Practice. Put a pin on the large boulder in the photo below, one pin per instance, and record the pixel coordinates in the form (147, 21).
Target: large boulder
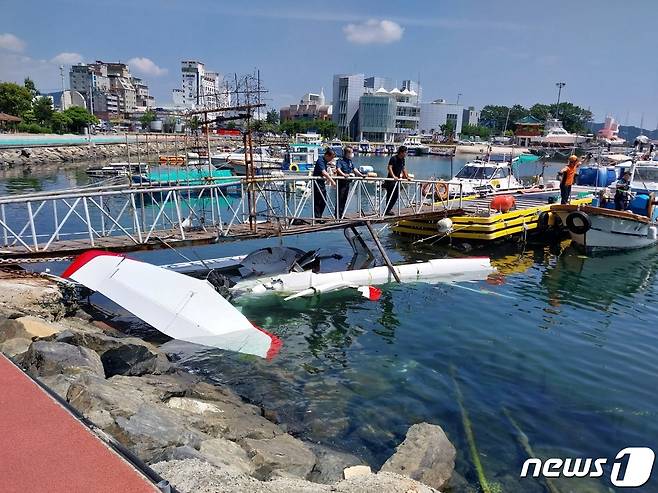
(44, 358)
(36, 327)
(425, 455)
(226, 455)
(11, 329)
(282, 455)
(15, 347)
(31, 296)
(153, 429)
(330, 464)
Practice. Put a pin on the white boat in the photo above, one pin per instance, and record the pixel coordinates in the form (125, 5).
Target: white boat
(556, 135)
(300, 158)
(364, 147)
(118, 169)
(308, 283)
(598, 229)
(483, 177)
(415, 146)
(239, 158)
(309, 138)
(187, 309)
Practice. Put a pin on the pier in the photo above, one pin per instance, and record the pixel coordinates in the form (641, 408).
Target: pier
(129, 218)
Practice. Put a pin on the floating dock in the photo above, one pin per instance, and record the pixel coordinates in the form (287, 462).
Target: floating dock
(480, 222)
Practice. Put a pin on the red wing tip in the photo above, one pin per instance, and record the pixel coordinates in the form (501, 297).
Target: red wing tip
(275, 345)
(85, 258)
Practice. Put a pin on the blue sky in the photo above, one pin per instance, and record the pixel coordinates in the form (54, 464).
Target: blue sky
(493, 52)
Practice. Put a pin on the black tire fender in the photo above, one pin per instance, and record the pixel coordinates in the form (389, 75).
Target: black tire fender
(578, 223)
(543, 220)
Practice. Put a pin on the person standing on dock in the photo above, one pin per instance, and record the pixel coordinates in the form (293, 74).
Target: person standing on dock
(567, 177)
(396, 172)
(319, 188)
(345, 169)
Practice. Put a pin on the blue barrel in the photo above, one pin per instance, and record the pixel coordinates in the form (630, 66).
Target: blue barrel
(587, 175)
(612, 176)
(640, 204)
(601, 177)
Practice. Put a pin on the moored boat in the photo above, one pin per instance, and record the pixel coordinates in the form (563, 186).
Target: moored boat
(599, 229)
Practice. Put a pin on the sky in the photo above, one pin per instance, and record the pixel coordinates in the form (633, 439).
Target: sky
(490, 52)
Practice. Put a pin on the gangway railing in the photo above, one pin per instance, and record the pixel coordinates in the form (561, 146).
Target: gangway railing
(138, 215)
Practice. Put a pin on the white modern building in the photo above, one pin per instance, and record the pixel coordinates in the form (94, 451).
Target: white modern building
(363, 107)
(439, 112)
(470, 116)
(200, 88)
(63, 100)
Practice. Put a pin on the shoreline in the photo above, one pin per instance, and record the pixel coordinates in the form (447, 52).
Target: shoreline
(197, 435)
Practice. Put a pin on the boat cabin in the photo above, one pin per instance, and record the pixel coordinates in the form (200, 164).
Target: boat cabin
(301, 157)
(484, 177)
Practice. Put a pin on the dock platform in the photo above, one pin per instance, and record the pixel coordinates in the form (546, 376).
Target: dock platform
(479, 222)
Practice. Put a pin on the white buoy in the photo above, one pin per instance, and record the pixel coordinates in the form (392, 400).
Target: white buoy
(444, 225)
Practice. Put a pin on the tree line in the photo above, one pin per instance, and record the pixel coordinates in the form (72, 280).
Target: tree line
(37, 113)
(500, 119)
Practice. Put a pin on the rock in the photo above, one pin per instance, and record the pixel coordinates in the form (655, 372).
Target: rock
(330, 464)
(282, 454)
(133, 359)
(59, 383)
(196, 476)
(425, 455)
(15, 347)
(11, 329)
(193, 405)
(31, 296)
(226, 455)
(356, 471)
(152, 429)
(159, 388)
(36, 327)
(44, 358)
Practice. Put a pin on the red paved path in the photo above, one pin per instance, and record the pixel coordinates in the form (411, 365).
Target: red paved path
(43, 448)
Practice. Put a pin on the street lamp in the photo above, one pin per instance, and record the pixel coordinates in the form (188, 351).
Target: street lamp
(559, 85)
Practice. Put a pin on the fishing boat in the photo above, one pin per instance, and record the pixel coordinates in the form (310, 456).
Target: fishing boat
(415, 146)
(173, 176)
(599, 229)
(364, 147)
(484, 177)
(556, 135)
(117, 169)
(300, 158)
(309, 138)
(238, 159)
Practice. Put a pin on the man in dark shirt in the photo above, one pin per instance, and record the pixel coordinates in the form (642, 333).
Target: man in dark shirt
(319, 188)
(345, 169)
(396, 172)
(623, 192)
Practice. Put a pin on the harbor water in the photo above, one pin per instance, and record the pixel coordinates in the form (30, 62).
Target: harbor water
(558, 347)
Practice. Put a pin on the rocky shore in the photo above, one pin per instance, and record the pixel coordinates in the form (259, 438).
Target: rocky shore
(198, 436)
(30, 156)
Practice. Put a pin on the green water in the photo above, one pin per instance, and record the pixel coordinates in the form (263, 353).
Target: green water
(562, 343)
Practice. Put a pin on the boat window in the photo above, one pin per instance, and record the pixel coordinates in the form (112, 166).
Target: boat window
(475, 172)
(502, 173)
(645, 174)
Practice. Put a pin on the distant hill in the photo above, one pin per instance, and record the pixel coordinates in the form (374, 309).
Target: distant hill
(628, 132)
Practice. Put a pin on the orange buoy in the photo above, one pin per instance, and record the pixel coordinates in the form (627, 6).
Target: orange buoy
(503, 203)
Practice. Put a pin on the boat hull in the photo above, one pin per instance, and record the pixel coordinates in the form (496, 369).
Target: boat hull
(610, 230)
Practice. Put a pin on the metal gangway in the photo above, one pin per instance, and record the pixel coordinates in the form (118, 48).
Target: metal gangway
(127, 218)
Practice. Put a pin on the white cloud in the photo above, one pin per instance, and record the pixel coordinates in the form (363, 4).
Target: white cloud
(373, 31)
(67, 58)
(146, 66)
(10, 42)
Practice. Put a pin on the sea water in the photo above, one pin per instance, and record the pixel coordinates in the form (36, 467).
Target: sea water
(559, 347)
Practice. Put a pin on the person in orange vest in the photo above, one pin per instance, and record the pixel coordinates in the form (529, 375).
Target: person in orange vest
(567, 176)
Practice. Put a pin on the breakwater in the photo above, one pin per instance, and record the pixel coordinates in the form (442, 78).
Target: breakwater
(199, 436)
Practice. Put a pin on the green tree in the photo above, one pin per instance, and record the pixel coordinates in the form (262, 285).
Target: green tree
(194, 123)
(448, 129)
(42, 109)
(80, 118)
(60, 122)
(146, 119)
(30, 86)
(14, 99)
(476, 131)
(272, 117)
(574, 118)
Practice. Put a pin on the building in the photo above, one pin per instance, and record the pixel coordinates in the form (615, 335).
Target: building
(63, 100)
(527, 129)
(311, 107)
(439, 112)
(470, 116)
(200, 88)
(109, 89)
(353, 93)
